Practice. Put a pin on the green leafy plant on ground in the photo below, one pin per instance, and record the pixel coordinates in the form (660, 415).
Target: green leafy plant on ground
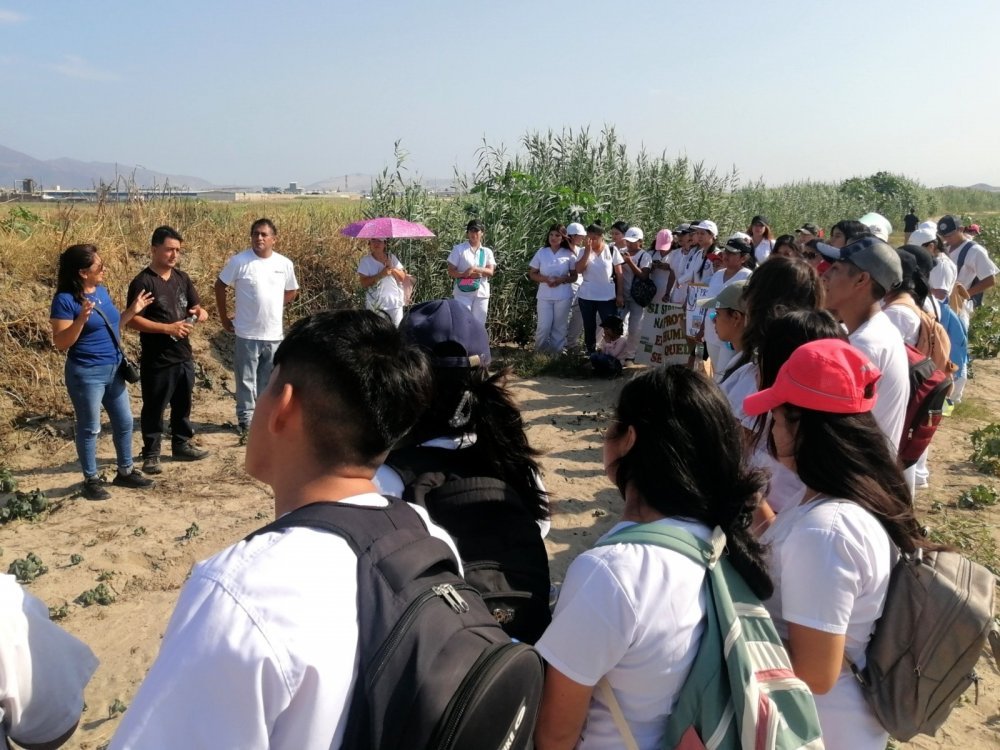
(967, 533)
(117, 707)
(25, 505)
(191, 532)
(59, 613)
(8, 482)
(100, 594)
(979, 496)
(986, 449)
(28, 568)
(75, 559)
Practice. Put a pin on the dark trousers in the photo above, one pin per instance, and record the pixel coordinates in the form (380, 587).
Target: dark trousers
(590, 309)
(162, 387)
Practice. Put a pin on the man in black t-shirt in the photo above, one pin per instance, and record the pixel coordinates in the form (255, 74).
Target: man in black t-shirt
(166, 362)
(910, 222)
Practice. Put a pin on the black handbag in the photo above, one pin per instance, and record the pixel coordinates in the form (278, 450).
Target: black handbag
(128, 369)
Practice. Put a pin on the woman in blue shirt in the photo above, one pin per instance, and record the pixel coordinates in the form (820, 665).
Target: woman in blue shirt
(92, 364)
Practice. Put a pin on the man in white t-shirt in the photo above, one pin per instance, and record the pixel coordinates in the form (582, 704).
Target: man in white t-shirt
(976, 272)
(472, 266)
(43, 671)
(863, 271)
(262, 648)
(264, 283)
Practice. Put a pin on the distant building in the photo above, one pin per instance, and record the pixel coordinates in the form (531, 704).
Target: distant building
(293, 189)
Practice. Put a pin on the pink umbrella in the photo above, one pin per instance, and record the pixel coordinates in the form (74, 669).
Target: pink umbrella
(386, 227)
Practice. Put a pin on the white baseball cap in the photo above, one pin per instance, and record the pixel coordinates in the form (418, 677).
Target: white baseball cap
(634, 234)
(708, 225)
(922, 237)
(576, 230)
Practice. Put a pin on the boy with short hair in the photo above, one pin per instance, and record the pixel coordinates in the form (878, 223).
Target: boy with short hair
(609, 359)
(262, 648)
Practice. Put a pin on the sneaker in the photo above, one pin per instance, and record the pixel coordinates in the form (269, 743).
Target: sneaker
(243, 431)
(133, 480)
(151, 465)
(188, 452)
(93, 489)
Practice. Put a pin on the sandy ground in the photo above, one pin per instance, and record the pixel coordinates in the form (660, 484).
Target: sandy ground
(147, 544)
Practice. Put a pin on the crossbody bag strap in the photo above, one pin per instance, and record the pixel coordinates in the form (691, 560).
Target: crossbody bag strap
(111, 330)
(963, 253)
(608, 696)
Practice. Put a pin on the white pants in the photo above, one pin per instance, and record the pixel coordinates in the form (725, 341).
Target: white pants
(553, 320)
(575, 328)
(956, 392)
(478, 306)
(922, 474)
(634, 316)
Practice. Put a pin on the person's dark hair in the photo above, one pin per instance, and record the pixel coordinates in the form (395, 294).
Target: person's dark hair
(916, 262)
(846, 456)
(164, 233)
(786, 240)
(621, 226)
(561, 228)
(767, 231)
(595, 227)
(74, 259)
(362, 384)
(471, 400)
(264, 223)
(786, 332)
(851, 230)
(680, 417)
(779, 285)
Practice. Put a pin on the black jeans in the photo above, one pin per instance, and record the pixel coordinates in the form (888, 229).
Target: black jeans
(590, 310)
(162, 387)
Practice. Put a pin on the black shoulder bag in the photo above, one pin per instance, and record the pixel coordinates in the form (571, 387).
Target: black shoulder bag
(128, 369)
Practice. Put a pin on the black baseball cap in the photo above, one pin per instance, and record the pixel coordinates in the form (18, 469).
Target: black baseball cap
(948, 224)
(475, 226)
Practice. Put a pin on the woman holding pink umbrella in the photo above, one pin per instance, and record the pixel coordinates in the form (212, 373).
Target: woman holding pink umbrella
(382, 276)
(380, 272)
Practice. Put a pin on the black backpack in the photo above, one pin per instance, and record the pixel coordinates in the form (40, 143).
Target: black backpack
(502, 551)
(435, 671)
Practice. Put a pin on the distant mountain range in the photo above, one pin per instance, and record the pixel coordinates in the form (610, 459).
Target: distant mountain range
(72, 174)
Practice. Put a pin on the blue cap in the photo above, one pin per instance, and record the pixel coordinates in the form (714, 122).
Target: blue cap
(448, 332)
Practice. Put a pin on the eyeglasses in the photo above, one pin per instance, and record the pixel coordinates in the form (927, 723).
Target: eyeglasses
(97, 267)
(260, 234)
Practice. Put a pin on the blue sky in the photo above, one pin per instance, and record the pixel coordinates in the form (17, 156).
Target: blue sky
(256, 92)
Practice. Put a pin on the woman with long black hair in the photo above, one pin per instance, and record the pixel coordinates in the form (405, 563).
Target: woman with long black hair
(634, 613)
(832, 553)
(87, 325)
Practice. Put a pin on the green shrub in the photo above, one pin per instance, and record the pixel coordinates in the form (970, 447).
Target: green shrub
(27, 569)
(978, 497)
(986, 449)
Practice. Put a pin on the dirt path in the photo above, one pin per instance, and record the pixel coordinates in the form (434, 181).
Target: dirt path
(144, 543)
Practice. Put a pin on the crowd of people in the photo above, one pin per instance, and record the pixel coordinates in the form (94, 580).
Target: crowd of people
(787, 442)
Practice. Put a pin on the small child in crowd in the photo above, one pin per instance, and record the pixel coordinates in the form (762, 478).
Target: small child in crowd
(609, 358)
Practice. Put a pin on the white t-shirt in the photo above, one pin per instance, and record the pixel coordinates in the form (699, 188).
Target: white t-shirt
(598, 277)
(43, 670)
(260, 285)
(716, 284)
(762, 251)
(906, 320)
(944, 274)
(739, 385)
(641, 258)
(634, 613)
(882, 343)
(558, 264)
(261, 650)
(680, 261)
(387, 292)
(830, 561)
(661, 276)
(977, 263)
(463, 258)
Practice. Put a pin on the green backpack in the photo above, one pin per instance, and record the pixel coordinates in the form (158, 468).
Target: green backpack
(741, 691)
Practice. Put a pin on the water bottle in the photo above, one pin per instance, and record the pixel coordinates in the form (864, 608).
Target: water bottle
(190, 320)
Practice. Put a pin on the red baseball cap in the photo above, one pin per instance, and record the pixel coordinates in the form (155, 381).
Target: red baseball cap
(826, 375)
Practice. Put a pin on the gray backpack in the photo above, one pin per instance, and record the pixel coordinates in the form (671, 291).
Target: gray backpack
(937, 619)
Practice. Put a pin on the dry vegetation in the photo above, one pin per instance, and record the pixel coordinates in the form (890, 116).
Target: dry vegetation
(33, 235)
